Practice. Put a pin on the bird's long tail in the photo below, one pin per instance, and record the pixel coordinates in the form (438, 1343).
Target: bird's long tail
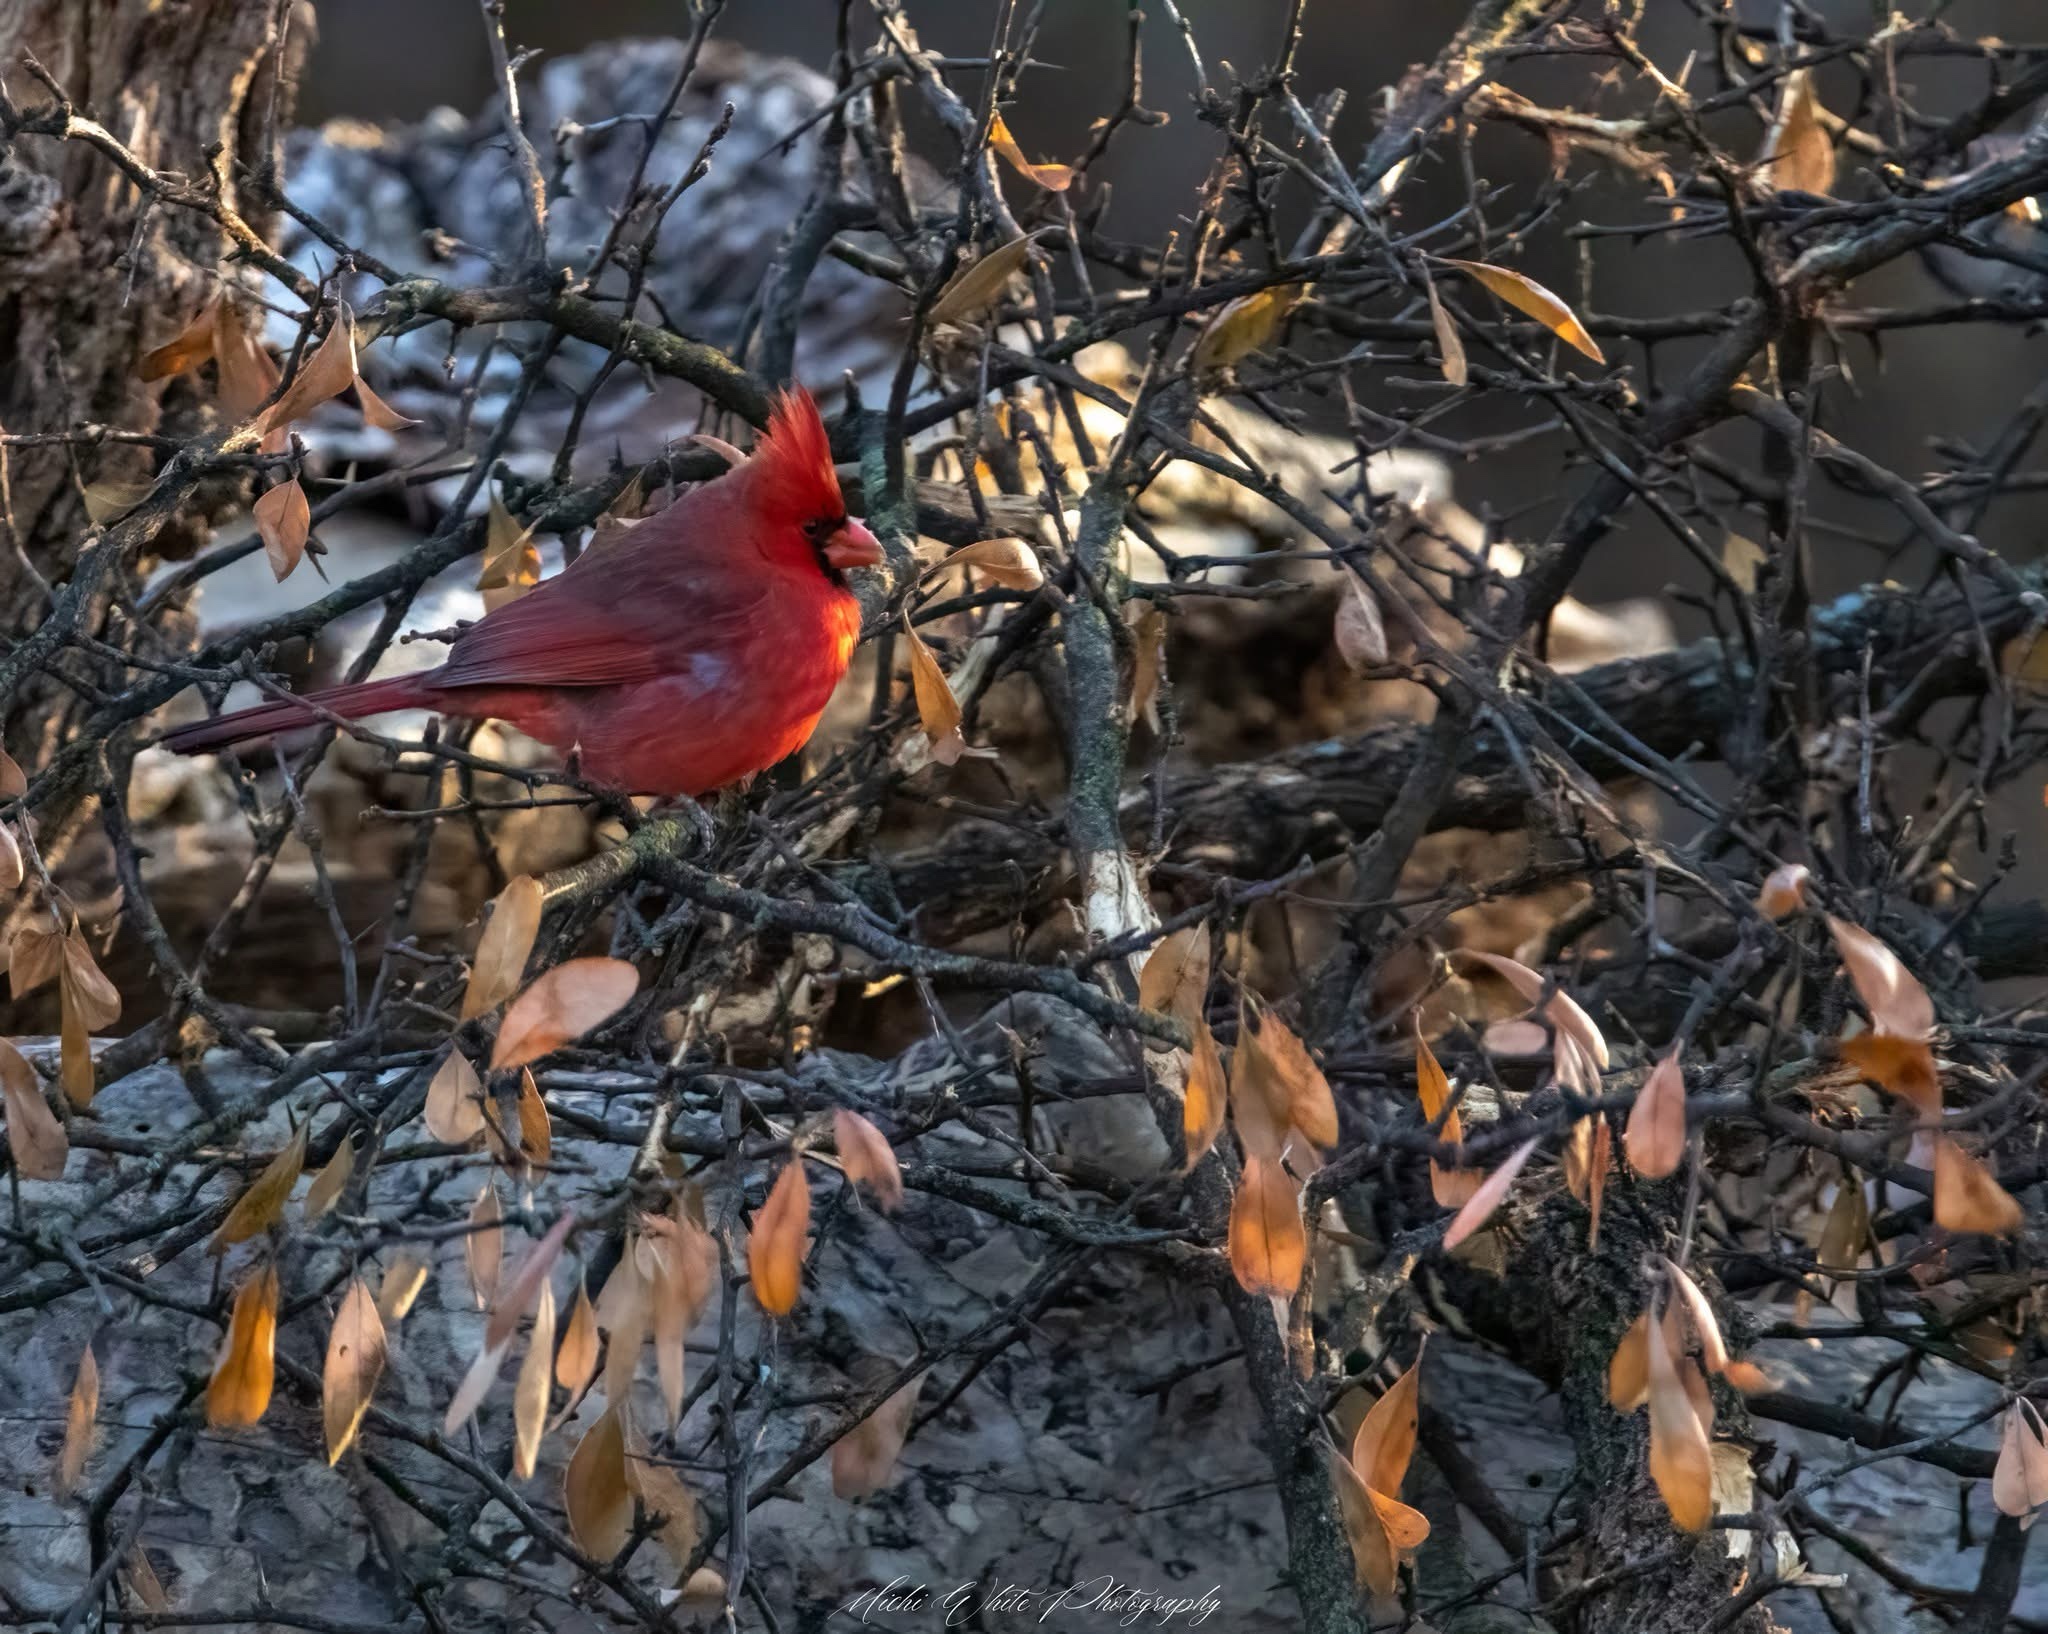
(284, 715)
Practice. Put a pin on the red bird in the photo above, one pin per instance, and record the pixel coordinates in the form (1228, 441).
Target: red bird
(696, 651)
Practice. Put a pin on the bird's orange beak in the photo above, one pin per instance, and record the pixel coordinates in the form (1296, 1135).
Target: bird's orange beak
(853, 546)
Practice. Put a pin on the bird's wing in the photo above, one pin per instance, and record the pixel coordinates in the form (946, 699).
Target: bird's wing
(629, 611)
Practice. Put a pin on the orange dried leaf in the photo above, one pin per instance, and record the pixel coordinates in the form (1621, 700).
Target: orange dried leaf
(1966, 1198)
(1701, 1314)
(938, 711)
(97, 999)
(74, 1050)
(34, 1136)
(35, 958)
(247, 374)
(1899, 1066)
(562, 1005)
(576, 1360)
(864, 1459)
(1655, 1137)
(530, 1394)
(1562, 1011)
(1681, 1458)
(1385, 1442)
(1527, 296)
(502, 951)
(1205, 1097)
(1596, 1184)
(1148, 662)
(536, 1129)
(1268, 1247)
(1488, 1195)
(775, 1250)
(328, 1184)
(355, 1361)
(455, 1106)
(1897, 1003)
(866, 1155)
(1288, 1080)
(189, 348)
(595, 1492)
(240, 1388)
(377, 412)
(1372, 1553)
(1175, 979)
(1011, 562)
(483, 1246)
(1053, 178)
(403, 1278)
(1452, 1188)
(284, 520)
(1784, 891)
(1628, 1370)
(327, 372)
(80, 1424)
(511, 561)
(262, 1205)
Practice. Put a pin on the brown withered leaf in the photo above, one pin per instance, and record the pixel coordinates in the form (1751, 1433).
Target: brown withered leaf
(530, 1394)
(1175, 979)
(502, 951)
(13, 780)
(576, 1359)
(74, 1050)
(595, 1492)
(81, 1424)
(511, 561)
(329, 1183)
(1527, 296)
(1206, 1095)
(866, 1155)
(378, 413)
(1654, 1140)
(239, 1391)
(1891, 993)
(11, 870)
(1966, 1198)
(189, 348)
(1784, 892)
(1359, 631)
(775, 1249)
(284, 521)
(981, 284)
(938, 711)
(262, 1205)
(108, 500)
(324, 373)
(403, 1279)
(1488, 1195)
(476, 1384)
(529, 1279)
(247, 374)
(1745, 1376)
(1053, 178)
(1628, 1370)
(1561, 1010)
(864, 1459)
(483, 1246)
(562, 1005)
(1289, 1079)
(1449, 345)
(2019, 1480)
(1244, 326)
(1148, 661)
(1797, 151)
(666, 1502)
(1846, 1229)
(1385, 1443)
(355, 1362)
(1681, 1458)
(1899, 1066)
(1452, 1188)
(455, 1106)
(1372, 1556)
(1596, 1182)
(1011, 562)
(99, 1002)
(34, 1136)
(35, 957)
(1268, 1247)
(536, 1129)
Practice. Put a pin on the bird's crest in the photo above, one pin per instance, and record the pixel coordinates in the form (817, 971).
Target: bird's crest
(793, 464)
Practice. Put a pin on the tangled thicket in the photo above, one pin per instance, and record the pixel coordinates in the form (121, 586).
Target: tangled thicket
(1243, 917)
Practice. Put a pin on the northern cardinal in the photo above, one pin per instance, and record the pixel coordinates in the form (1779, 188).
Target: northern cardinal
(696, 651)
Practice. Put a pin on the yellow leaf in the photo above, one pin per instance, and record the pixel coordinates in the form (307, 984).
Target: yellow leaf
(34, 1136)
(1241, 327)
(594, 1490)
(455, 1109)
(1797, 152)
(1268, 1248)
(284, 521)
(562, 1005)
(326, 373)
(355, 1361)
(866, 1155)
(80, 1424)
(502, 951)
(775, 1250)
(328, 1184)
(1527, 296)
(1053, 178)
(1450, 347)
(938, 711)
(240, 1388)
(981, 284)
(1655, 1137)
(1742, 559)
(262, 1205)
(511, 564)
(530, 1395)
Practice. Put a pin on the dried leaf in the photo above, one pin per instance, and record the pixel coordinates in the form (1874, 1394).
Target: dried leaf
(511, 561)
(1628, 1370)
(1053, 178)
(80, 1424)
(1268, 1247)
(1175, 979)
(36, 957)
(1742, 560)
(1527, 296)
(476, 1384)
(502, 951)
(1148, 662)
(262, 1205)
(1655, 1137)
(1797, 152)
(2019, 1480)
(1245, 325)
(775, 1250)
(455, 1102)
(326, 373)
(594, 1490)
(1452, 1188)
(143, 1583)
(1897, 1003)
(1681, 1458)
(403, 1279)
(1784, 891)
(576, 1360)
(527, 1282)
(866, 1155)
(864, 1459)
(1562, 1011)
(536, 1129)
(247, 374)
(13, 780)
(1385, 1442)
(99, 1002)
(1900, 1066)
(378, 413)
(74, 1051)
(483, 1247)
(328, 1184)
(1701, 1314)
(530, 1394)
(240, 1388)
(1846, 1229)
(355, 1361)
(1372, 1552)
(981, 284)
(1487, 1196)
(1450, 347)
(285, 522)
(189, 348)
(1966, 1198)
(667, 1502)
(34, 1136)
(938, 711)
(561, 1006)
(1011, 562)
(1289, 1079)
(11, 871)
(1359, 631)
(1205, 1096)
(1596, 1183)
(109, 501)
